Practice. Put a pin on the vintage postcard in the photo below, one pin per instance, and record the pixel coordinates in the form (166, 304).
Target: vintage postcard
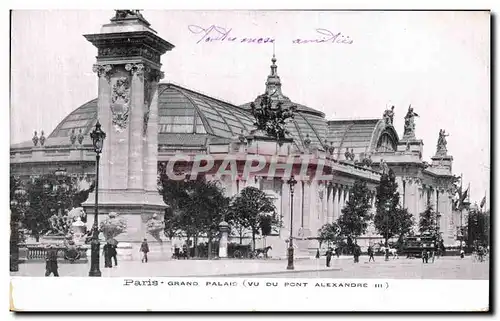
(271, 159)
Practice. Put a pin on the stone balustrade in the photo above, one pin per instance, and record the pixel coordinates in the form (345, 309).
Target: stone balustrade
(37, 252)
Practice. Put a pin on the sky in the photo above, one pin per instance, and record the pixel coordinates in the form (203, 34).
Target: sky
(439, 62)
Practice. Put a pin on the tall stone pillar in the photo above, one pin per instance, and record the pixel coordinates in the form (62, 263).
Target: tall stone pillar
(128, 66)
(297, 208)
(104, 72)
(374, 205)
(150, 129)
(324, 216)
(336, 201)
(329, 205)
(285, 195)
(341, 201)
(306, 208)
(314, 208)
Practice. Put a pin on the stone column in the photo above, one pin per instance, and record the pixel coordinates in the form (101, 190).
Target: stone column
(297, 207)
(335, 201)
(329, 204)
(315, 208)
(150, 131)
(421, 199)
(135, 169)
(285, 195)
(341, 201)
(104, 73)
(399, 181)
(374, 205)
(306, 208)
(224, 231)
(325, 204)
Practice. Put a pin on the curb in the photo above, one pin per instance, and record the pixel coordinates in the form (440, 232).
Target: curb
(259, 273)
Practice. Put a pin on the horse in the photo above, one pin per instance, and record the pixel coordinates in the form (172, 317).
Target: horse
(392, 252)
(263, 251)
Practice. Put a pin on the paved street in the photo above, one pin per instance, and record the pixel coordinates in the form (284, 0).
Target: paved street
(443, 268)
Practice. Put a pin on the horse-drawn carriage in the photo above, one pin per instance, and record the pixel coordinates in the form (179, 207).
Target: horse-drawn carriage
(241, 251)
(415, 245)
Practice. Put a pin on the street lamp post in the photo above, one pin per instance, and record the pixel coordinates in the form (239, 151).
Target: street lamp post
(292, 183)
(98, 137)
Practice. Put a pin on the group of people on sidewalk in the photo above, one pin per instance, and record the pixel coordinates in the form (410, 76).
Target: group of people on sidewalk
(356, 252)
(109, 252)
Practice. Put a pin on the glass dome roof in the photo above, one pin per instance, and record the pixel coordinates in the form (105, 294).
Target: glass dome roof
(183, 112)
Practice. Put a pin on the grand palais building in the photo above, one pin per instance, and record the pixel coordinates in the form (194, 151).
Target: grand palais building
(148, 121)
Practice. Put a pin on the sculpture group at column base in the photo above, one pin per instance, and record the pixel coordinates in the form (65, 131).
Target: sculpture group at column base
(136, 207)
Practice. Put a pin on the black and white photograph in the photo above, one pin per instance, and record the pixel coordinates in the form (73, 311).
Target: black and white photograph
(317, 151)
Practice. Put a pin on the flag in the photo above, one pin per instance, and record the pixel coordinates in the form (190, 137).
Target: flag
(483, 201)
(464, 196)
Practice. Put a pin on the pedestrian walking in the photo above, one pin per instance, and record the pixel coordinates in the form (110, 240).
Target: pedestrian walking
(51, 261)
(370, 254)
(462, 254)
(106, 251)
(113, 251)
(144, 249)
(356, 253)
(317, 253)
(328, 255)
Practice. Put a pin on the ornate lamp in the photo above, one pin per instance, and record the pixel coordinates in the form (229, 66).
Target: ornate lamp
(292, 183)
(97, 136)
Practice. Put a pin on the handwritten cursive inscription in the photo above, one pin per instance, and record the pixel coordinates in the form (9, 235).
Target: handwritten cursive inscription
(326, 37)
(220, 34)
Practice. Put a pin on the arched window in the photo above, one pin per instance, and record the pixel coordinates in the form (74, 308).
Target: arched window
(386, 144)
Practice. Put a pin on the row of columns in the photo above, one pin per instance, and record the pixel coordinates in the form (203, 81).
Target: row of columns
(337, 197)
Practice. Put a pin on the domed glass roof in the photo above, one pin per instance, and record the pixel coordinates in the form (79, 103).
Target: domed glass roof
(187, 117)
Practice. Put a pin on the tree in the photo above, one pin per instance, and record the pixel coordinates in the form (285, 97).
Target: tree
(250, 208)
(355, 215)
(171, 223)
(197, 207)
(328, 233)
(52, 195)
(390, 219)
(213, 207)
(404, 223)
(428, 221)
(478, 228)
